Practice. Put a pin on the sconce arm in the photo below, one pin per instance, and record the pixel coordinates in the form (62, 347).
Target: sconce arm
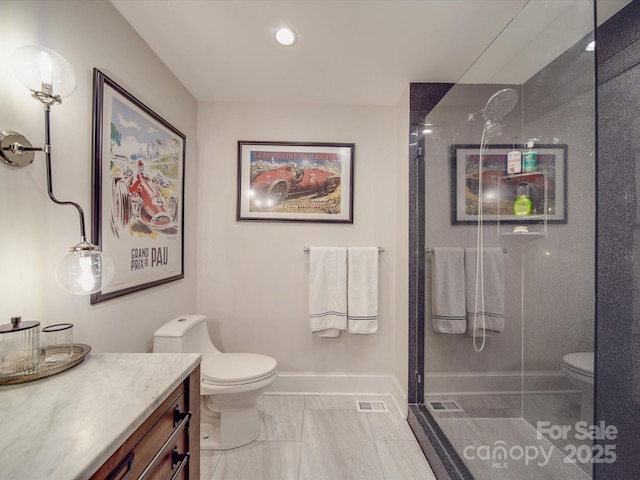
(47, 155)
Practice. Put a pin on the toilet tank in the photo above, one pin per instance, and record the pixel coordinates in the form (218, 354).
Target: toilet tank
(184, 334)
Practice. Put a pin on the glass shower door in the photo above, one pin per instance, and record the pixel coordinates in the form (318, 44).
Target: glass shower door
(508, 267)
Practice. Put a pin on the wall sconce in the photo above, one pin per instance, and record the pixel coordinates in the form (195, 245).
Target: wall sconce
(50, 77)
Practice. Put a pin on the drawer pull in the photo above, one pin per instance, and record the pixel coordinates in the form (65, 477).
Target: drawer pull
(177, 429)
(123, 469)
(180, 459)
(178, 416)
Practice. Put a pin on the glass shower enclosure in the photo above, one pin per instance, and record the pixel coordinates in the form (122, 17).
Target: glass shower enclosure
(503, 254)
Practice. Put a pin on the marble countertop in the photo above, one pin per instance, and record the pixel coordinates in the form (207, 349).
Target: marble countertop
(66, 426)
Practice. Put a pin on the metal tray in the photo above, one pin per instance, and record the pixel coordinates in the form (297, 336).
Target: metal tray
(44, 370)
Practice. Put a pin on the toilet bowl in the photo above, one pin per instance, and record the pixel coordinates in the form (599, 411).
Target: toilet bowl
(578, 367)
(230, 383)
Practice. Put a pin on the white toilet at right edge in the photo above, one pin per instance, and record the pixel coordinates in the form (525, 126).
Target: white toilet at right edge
(578, 367)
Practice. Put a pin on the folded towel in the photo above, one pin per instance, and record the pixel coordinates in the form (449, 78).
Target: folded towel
(328, 290)
(485, 310)
(362, 296)
(448, 309)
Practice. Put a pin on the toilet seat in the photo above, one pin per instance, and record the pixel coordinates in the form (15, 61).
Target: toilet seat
(579, 365)
(236, 368)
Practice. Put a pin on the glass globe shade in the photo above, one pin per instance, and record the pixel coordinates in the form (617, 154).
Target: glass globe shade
(43, 70)
(85, 272)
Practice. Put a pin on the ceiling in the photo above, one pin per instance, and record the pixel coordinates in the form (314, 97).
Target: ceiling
(354, 51)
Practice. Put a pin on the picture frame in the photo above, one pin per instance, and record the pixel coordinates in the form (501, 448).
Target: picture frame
(295, 181)
(138, 194)
(547, 186)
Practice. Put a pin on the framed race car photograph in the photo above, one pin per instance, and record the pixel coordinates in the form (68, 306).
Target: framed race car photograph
(138, 199)
(295, 181)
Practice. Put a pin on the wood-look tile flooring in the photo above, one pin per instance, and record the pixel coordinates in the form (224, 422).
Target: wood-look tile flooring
(510, 420)
(322, 438)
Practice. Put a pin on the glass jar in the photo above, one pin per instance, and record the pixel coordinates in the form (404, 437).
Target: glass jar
(19, 347)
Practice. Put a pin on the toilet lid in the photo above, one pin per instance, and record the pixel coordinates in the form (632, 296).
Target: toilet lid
(581, 362)
(236, 368)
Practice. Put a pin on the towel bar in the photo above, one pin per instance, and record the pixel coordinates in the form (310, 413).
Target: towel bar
(306, 249)
(430, 250)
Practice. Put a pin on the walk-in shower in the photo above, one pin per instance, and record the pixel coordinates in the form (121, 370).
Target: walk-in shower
(484, 405)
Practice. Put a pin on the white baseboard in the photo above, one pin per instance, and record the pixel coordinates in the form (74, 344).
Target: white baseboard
(496, 382)
(355, 384)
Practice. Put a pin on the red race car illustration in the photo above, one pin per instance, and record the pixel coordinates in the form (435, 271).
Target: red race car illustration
(288, 180)
(495, 186)
(138, 197)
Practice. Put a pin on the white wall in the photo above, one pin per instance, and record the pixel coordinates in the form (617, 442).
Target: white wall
(401, 330)
(249, 277)
(36, 233)
(252, 276)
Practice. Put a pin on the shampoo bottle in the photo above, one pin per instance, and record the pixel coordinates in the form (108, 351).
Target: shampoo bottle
(514, 162)
(523, 206)
(530, 158)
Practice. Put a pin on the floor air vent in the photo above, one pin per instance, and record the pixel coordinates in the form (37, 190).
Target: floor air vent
(442, 406)
(371, 406)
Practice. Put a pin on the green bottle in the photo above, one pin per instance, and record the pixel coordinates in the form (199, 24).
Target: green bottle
(522, 207)
(530, 158)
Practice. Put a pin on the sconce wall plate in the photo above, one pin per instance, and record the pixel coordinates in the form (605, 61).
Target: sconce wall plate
(15, 149)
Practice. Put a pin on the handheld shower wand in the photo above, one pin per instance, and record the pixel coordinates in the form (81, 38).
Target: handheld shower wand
(498, 105)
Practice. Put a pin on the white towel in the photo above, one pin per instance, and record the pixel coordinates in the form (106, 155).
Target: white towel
(448, 308)
(328, 290)
(489, 318)
(362, 302)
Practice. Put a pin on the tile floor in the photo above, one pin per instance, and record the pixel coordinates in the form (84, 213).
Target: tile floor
(540, 459)
(489, 420)
(322, 438)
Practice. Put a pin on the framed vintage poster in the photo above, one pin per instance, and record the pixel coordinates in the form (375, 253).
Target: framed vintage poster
(138, 197)
(295, 181)
(546, 186)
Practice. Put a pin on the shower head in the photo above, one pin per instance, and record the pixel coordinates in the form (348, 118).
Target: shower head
(492, 129)
(500, 103)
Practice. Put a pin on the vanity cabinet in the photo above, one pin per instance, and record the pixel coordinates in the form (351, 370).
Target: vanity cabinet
(167, 444)
(113, 416)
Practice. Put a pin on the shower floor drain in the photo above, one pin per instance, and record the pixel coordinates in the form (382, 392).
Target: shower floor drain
(441, 406)
(369, 406)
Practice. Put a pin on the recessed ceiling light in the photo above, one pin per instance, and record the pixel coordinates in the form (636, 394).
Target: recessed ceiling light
(591, 46)
(286, 36)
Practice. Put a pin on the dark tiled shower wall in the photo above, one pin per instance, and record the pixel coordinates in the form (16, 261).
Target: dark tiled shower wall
(618, 240)
(423, 97)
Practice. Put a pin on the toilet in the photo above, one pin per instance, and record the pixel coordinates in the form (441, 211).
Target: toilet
(230, 383)
(578, 367)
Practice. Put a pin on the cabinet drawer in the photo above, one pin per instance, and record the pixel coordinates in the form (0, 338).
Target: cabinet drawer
(149, 452)
(169, 461)
(153, 456)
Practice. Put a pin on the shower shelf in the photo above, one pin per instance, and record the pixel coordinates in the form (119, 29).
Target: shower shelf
(535, 226)
(524, 238)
